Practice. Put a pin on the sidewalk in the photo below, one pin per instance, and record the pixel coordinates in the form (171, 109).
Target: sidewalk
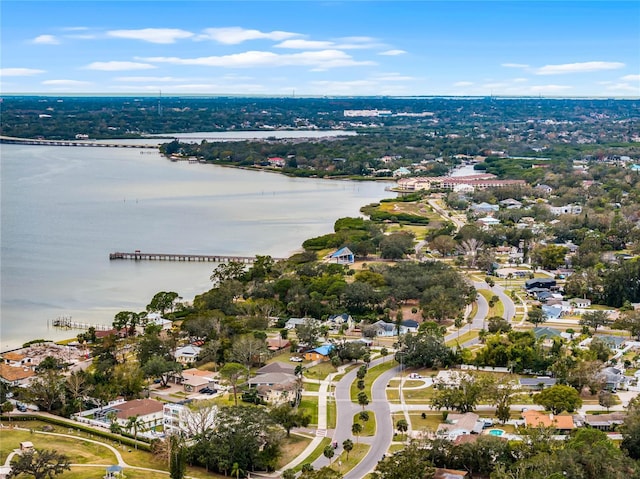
(321, 431)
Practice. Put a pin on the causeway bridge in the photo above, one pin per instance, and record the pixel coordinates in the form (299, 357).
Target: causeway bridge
(217, 258)
(84, 143)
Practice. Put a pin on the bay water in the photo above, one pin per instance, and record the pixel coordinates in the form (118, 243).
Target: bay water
(64, 209)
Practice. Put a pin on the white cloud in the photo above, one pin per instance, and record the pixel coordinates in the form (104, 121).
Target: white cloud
(152, 35)
(515, 65)
(463, 83)
(520, 80)
(235, 35)
(301, 44)
(118, 66)
(624, 88)
(582, 67)
(393, 77)
(392, 53)
(549, 88)
(149, 79)
(630, 78)
(66, 83)
(19, 72)
(320, 59)
(46, 40)
(81, 36)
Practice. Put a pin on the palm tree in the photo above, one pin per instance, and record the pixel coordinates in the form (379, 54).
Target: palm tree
(236, 470)
(137, 424)
(471, 249)
(347, 445)
(356, 429)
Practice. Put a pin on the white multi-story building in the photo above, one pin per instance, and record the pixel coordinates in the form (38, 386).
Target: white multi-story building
(188, 421)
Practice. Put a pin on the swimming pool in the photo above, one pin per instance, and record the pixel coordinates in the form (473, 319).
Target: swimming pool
(496, 432)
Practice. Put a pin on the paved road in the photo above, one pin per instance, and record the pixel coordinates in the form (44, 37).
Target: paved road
(346, 409)
(478, 320)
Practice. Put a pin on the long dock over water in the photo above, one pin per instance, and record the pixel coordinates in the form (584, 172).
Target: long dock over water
(218, 258)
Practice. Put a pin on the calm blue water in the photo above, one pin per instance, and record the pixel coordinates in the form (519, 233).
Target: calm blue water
(63, 209)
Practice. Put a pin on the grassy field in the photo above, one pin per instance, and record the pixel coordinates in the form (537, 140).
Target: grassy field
(317, 452)
(368, 427)
(320, 371)
(372, 374)
(343, 464)
(464, 337)
(84, 452)
(309, 405)
(312, 387)
(291, 448)
(498, 307)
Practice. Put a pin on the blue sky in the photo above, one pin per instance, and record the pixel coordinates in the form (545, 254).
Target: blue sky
(576, 48)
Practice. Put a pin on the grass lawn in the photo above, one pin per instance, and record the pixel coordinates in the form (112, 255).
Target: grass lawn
(292, 447)
(498, 307)
(368, 427)
(317, 452)
(372, 374)
(474, 309)
(311, 387)
(469, 335)
(355, 456)
(331, 414)
(320, 371)
(309, 406)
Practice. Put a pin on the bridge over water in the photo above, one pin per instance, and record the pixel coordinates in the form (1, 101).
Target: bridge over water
(139, 256)
(84, 143)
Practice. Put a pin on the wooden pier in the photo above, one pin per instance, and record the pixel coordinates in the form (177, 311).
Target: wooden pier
(215, 258)
(83, 143)
(65, 322)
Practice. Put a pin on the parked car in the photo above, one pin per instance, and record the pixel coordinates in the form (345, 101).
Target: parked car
(295, 359)
(207, 390)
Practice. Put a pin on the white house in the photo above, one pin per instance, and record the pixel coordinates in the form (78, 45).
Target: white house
(566, 210)
(187, 354)
(148, 412)
(181, 419)
(488, 221)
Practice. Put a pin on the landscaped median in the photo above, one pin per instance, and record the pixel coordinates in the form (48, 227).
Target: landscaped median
(372, 374)
(498, 308)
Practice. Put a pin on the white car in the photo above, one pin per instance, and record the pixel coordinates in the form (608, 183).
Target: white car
(295, 359)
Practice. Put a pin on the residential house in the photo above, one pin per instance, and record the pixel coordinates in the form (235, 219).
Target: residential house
(148, 411)
(488, 222)
(450, 474)
(277, 162)
(15, 375)
(181, 419)
(187, 354)
(277, 387)
(614, 378)
(385, 329)
(552, 312)
(277, 367)
(402, 171)
(580, 303)
(193, 380)
(293, 323)
(543, 283)
(157, 320)
(342, 256)
(511, 204)
(562, 422)
(484, 208)
(537, 384)
(278, 344)
(410, 325)
(336, 321)
(546, 189)
(319, 354)
(460, 424)
(605, 422)
(566, 210)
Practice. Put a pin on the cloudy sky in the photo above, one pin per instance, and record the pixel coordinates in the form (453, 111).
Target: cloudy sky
(575, 48)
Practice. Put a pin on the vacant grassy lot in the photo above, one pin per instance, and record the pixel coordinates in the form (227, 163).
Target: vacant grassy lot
(292, 447)
(320, 371)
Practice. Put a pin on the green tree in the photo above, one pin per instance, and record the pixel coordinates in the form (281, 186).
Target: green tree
(163, 301)
(410, 462)
(347, 445)
(356, 429)
(7, 408)
(289, 417)
(363, 399)
(231, 373)
(328, 452)
(558, 398)
(402, 426)
(462, 392)
(135, 424)
(594, 319)
(631, 431)
(161, 368)
(308, 332)
(536, 316)
(549, 256)
(178, 458)
(40, 463)
(236, 470)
